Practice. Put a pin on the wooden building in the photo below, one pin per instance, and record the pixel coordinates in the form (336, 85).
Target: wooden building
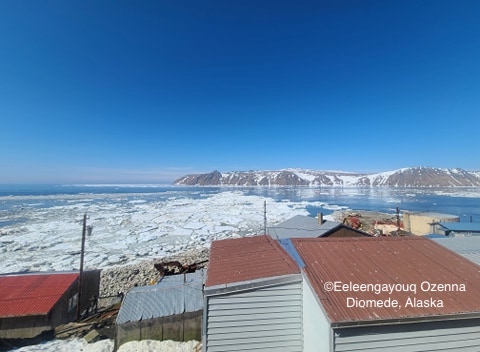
(33, 303)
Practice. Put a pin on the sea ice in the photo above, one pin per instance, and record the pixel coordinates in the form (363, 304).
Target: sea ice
(128, 227)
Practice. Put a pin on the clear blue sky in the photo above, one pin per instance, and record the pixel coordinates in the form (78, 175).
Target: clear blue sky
(148, 91)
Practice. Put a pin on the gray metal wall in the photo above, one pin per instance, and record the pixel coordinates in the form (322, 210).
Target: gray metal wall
(180, 327)
(456, 335)
(258, 319)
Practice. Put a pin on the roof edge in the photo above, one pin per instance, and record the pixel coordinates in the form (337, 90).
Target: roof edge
(251, 284)
(406, 320)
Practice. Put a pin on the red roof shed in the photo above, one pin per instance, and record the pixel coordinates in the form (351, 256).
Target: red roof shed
(32, 294)
(31, 304)
(248, 258)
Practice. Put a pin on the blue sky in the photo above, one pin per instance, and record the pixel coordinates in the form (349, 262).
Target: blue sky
(148, 91)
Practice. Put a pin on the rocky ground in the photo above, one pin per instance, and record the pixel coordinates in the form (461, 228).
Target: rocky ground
(372, 222)
(118, 280)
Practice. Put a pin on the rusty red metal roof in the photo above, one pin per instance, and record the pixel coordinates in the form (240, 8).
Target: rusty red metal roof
(248, 258)
(418, 270)
(32, 294)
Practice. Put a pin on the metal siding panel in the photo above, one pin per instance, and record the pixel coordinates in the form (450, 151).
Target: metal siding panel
(250, 317)
(252, 335)
(257, 320)
(169, 297)
(260, 347)
(260, 292)
(252, 305)
(257, 328)
(425, 337)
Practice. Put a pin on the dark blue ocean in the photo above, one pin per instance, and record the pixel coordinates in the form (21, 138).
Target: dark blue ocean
(463, 202)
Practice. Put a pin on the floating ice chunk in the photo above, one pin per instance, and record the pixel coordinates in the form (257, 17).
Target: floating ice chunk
(194, 225)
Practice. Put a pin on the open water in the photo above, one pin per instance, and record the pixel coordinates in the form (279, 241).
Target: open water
(463, 202)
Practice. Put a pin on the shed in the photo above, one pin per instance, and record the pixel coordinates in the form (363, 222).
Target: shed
(423, 223)
(31, 304)
(388, 294)
(301, 226)
(169, 310)
(253, 297)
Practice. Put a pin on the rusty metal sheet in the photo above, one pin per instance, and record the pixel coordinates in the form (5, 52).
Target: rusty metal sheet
(389, 261)
(248, 258)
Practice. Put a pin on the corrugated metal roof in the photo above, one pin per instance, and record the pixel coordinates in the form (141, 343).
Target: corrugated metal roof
(32, 294)
(173, 295)
(248, 258)
(301, 226)
(468, 247)
(461, 226)
(407, 261)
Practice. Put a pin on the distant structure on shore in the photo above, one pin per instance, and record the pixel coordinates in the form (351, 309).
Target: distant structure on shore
(301, 226)
(424, 223)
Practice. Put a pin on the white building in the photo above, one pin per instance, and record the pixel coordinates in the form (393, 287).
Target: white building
(258, 300)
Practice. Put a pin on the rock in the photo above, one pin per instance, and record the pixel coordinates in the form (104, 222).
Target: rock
(120, 279)
(92, 336)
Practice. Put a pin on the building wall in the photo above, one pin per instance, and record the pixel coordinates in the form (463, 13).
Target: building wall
(255, 319)
(420, 223)
(445, 336)
(179, 327)
(316, 327)
(62, 312)
(90, 287)
(32, 326)
(23, 327)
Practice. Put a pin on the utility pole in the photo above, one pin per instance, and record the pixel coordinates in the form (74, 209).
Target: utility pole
(398, 219)
(80, 276)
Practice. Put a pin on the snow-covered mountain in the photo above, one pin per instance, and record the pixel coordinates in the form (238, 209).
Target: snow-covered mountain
(406, 177)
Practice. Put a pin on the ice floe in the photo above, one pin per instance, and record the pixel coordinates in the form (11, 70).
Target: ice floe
(128, 227)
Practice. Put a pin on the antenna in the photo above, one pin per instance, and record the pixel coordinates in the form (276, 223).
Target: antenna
(264, 217)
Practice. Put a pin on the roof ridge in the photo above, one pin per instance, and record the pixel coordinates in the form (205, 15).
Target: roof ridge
(365, 238)
(283, 253)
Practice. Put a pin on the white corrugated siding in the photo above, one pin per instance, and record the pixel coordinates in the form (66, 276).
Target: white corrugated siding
(459, 335)
(316, 326)
(259, 319)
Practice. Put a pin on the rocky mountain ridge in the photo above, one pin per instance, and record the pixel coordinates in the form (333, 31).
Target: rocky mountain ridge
(405, 177)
